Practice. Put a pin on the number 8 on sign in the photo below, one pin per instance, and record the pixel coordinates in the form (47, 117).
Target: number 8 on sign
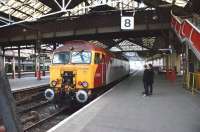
(127, 22)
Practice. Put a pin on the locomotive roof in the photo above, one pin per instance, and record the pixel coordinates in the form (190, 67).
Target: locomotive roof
(79, 45)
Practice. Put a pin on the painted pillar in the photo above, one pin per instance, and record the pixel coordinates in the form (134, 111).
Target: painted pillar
(38, 56)
(187, 59)
(178, 64)
(7, 103)
(174, 60)
(168, 61)
(43, 66)
(19, 62)
(35, 61)
(165, 61)
(38, 73)
(4, 58)
(13, 66)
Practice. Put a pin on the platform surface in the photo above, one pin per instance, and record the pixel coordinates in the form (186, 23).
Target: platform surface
(124, 109)
(27, 82)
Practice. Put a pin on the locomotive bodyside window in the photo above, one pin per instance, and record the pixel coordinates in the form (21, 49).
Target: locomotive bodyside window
(97, 59)
(61, 58)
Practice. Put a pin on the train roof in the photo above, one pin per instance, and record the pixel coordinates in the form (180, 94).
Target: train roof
(79, 45)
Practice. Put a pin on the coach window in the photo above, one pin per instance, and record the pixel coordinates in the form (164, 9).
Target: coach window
(97, 58)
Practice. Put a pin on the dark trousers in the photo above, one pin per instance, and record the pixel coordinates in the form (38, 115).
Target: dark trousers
(146, 91)
(150, 86)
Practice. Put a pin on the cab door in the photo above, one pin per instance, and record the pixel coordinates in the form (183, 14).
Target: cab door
(100, 70)
(103, 66)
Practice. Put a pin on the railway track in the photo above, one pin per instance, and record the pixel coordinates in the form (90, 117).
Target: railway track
(31, 108)
(23, 95)
(43, 115)
(29, 99)
(39, 123)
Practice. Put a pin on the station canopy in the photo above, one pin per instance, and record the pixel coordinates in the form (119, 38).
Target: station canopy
(13, 10)
(27, 9)
(20, 11)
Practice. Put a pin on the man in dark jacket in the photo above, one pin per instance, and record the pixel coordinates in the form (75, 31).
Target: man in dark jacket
(150, 79)
(145, 80)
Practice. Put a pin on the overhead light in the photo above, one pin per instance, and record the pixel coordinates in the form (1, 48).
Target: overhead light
(24, 30)
(155, 17)
(4, 1)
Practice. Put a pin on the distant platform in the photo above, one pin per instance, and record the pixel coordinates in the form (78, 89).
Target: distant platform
(28, 82)
(124, 109)
(25, 74)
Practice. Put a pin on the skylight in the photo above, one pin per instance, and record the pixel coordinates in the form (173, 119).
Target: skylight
(129, 46)
(180, 3)
(82, 8)
(23, 9)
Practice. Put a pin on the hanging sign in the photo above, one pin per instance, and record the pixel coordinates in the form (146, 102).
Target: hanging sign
(127, 22)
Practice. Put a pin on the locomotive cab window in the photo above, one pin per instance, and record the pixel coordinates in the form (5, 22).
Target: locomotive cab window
(81, 57)
(97, 58)
(61, 58)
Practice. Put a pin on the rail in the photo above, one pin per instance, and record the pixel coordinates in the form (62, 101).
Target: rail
(193, 82)
(188, 30)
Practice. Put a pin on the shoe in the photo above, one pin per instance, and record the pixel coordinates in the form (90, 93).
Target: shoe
(144, 95)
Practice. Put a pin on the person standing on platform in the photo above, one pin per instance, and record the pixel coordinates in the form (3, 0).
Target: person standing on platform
(145, 80)
(150, 79)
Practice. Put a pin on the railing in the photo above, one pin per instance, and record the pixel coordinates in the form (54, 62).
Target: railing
(188, 30)
(193, 82)
(195, 20)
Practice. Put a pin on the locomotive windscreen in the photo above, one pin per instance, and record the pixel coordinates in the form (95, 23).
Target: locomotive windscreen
(81, 57)
(76, 57)
(61, 58)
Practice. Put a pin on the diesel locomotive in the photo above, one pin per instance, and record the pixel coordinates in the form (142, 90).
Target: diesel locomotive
(79, 68)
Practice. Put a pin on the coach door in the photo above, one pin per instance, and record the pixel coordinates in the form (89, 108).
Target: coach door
(103, 65)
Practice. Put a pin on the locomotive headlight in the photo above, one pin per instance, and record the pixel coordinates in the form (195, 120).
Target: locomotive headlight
(49, 94)
(54, 83)
(84, 84)
(81, 96)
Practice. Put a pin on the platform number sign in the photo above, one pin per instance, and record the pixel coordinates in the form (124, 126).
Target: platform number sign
(127, 22)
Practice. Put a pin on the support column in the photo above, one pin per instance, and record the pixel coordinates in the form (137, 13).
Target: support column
(174, 60)
(168, 62)
(37, 65)
(13, 66)
(4, 58)
(178, 64)
(35, 61)
(19, 62)
(38, 48)
(187, 59)
(164, 62)
(7, 103)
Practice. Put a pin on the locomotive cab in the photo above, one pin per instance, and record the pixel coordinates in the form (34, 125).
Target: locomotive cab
(70, 74)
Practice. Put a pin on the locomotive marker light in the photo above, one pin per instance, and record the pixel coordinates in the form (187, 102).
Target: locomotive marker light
(84, 84)
(49, 94)
(81, 96)
(54, 83)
